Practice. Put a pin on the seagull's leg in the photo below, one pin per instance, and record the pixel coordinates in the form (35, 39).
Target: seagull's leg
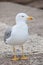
(15, 58)
(23, 56)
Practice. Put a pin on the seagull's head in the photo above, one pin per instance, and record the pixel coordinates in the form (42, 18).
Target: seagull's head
(22, 17)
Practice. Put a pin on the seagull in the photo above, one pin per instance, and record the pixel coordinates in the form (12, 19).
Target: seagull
(18, 34)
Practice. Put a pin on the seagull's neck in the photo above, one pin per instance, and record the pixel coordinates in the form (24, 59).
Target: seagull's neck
(21, 23)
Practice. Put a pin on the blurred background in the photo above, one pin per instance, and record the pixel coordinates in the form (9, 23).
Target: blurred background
(33, 3)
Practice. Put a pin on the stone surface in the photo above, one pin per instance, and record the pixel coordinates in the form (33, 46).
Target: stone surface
(37, 4)
(22, 1)
(18, 1)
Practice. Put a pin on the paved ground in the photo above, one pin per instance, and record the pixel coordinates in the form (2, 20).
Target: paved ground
(35, 42)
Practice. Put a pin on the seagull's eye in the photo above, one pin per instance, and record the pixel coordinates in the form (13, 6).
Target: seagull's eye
(22, 16)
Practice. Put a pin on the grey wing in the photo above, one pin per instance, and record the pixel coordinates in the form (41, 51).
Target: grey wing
(7, 34)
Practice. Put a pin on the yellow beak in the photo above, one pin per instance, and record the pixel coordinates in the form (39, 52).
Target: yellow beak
(30, 18)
